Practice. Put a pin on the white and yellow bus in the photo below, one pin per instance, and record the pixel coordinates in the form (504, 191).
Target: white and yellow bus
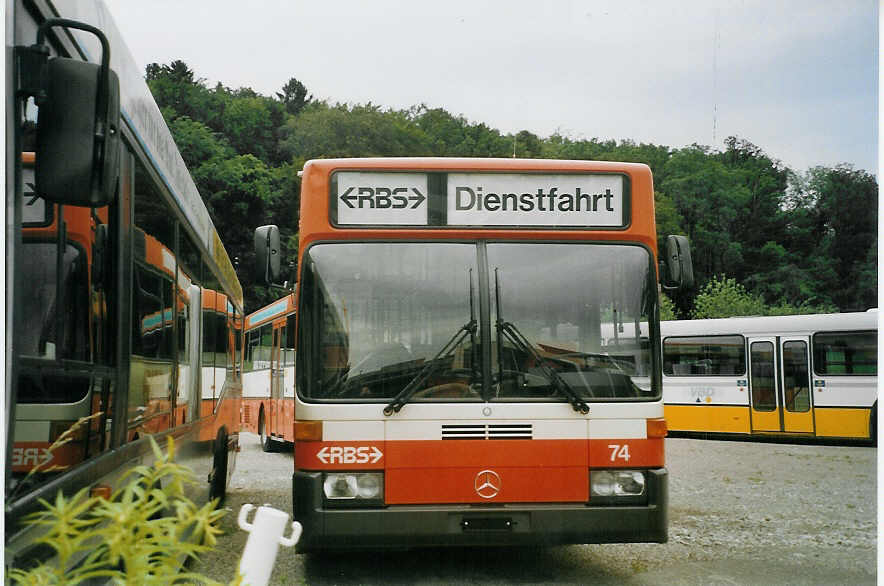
(802, 376)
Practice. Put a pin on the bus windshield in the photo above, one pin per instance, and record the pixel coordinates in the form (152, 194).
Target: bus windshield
(382, 319)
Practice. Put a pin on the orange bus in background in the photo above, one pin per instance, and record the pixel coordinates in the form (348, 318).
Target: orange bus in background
(453, 384)
(269, 373)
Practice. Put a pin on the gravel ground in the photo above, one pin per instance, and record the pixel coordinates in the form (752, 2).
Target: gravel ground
(740, 513)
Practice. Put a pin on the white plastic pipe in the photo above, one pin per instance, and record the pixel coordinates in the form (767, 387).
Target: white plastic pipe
(265, 537)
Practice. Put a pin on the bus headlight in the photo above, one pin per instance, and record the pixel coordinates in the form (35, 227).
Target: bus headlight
(354, 488)
(617, 483)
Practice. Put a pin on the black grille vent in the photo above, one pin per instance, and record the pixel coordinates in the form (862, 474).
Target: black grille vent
(487, 431)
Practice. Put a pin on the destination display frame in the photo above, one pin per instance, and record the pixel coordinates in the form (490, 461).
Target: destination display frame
(392, 199)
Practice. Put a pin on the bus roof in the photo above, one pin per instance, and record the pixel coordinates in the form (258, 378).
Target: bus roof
(773, 325)
(474, 164)
(270, 311)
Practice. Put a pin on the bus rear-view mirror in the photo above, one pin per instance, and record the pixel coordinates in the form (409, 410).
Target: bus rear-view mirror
(78, 123)
(678, 269)
(267, 253)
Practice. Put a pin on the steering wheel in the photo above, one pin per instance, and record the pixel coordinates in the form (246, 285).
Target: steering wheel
(447, 391)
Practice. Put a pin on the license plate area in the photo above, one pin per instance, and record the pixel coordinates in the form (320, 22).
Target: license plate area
(488, 524)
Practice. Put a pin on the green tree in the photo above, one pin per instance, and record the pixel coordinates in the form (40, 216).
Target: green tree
(197, 142)
(706, 196)
(238, 192)
(454, 136)
(846, 209)
(179, 93)
(171, 85)
(250, 122)
(294, 96)
(323, 131)
(667, 308)
(725, 297)
(527, 145)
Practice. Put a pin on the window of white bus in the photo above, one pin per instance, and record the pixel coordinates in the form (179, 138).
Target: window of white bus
(845, 353)
(704, 355)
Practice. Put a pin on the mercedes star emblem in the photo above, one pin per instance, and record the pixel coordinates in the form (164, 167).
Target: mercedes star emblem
(487, 484)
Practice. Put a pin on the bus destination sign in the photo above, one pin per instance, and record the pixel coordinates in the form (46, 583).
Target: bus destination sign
(481, 199)
(382, 198)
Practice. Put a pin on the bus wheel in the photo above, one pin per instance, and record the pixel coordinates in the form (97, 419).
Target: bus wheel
(218, 478)
(266, 443)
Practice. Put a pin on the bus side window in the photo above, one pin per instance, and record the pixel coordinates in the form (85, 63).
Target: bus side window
(845, 353)
(210, 330)
(265, 345)
(153, 372)
(704, 356)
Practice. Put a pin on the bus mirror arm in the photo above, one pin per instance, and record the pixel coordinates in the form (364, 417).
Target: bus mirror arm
(676, 267)
(78, 126)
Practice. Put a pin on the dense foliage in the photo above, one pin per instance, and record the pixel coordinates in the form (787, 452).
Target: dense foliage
(797, 241)
(140, 535)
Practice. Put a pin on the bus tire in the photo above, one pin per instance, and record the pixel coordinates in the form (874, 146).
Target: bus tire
(218, 483)
(267, 444)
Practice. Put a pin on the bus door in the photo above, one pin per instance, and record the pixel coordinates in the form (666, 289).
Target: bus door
(795, 381)
(779, 385)
(276, 381)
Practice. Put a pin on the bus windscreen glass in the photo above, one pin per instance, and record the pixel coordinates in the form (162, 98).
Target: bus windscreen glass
(378, 317)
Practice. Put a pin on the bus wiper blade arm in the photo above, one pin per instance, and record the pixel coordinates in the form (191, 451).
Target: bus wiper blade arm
(468, 329)
(558, 382)
(519, 339)
(412, 387)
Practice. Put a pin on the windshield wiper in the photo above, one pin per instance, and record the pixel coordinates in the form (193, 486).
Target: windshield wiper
(523, 344)
(468, 329)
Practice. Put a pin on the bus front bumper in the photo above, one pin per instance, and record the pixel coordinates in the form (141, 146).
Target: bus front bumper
(407, 526)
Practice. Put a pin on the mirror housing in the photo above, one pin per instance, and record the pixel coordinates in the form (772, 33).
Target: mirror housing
(676, 267)
(78, 147)
(78, 122)
(267, 254)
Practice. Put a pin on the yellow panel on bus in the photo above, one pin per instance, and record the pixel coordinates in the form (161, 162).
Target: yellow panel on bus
(833, 422)
(707, 418)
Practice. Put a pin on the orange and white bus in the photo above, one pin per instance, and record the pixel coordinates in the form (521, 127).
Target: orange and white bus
(453, 386)
(122, 305)
(269, 373)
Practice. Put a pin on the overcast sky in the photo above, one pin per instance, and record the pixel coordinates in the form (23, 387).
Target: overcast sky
(798, 78)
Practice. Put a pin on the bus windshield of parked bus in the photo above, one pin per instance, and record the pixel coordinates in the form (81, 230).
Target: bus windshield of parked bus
(381, 316)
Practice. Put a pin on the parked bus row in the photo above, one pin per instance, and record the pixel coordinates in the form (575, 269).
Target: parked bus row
(805, 376)
(417, 330)
(121, 303)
